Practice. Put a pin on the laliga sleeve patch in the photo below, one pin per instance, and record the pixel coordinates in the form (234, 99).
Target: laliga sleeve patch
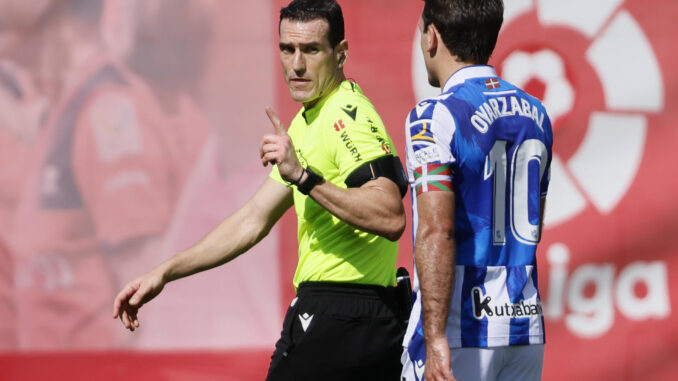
(423, 143)
(387, 166)
(433, 177)
(115, 126)
(421, 135)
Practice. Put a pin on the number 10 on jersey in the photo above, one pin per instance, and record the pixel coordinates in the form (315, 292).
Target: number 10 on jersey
(519, 186)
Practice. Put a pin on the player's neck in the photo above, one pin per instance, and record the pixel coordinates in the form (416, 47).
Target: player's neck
(335, 81)
(448, 69)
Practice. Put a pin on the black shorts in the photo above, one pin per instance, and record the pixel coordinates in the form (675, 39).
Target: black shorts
(339, 331)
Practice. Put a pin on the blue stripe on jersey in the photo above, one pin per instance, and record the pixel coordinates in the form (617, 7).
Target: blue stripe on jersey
(516, 279)
(473, 331)
(534, 183)
(520, 331)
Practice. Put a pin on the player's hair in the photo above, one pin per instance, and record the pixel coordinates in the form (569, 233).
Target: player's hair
(469, 28)
(309, 10)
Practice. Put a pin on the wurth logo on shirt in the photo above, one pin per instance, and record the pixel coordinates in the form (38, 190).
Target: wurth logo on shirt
(482, 307)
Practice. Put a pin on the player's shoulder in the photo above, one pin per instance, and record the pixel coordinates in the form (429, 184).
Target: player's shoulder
(351, 104)
(496, 86)
(440, 106)
(532, 99)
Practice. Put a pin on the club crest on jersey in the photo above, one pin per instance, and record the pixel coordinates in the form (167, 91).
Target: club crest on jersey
(492, 83)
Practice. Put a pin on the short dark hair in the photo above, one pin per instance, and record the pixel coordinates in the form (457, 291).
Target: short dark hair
(309, 10)
(469, 28)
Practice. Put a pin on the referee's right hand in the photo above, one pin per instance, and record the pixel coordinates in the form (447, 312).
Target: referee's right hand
(134, 295)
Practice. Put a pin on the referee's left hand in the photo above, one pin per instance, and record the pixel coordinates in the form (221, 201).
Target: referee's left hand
(278, 149)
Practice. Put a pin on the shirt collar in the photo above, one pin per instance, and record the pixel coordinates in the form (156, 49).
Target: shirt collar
(468, 72)
(311, 114)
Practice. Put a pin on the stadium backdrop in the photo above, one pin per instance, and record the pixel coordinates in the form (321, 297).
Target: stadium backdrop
(605, 71)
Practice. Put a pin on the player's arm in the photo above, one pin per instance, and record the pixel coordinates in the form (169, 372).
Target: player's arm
(232, 237)
(374, 207)
(434, 253)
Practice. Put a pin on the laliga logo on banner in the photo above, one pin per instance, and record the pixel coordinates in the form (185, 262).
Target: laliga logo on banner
(593, 315)
(618, 82)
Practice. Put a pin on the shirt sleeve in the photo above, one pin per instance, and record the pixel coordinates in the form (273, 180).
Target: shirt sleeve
(429, 130)
(275, 175)
(122, 167)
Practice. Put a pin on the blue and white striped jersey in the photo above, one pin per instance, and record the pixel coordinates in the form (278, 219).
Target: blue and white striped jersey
(490, 143)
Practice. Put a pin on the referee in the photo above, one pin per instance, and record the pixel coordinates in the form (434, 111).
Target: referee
(338, 167)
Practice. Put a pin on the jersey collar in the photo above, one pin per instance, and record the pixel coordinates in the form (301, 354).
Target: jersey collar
(310, 114)
(468, 72)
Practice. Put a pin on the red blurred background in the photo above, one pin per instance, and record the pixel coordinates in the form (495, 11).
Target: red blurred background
(128, 129)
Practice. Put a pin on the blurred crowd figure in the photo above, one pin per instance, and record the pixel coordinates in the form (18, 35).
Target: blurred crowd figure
(109, 163)
(21, 111)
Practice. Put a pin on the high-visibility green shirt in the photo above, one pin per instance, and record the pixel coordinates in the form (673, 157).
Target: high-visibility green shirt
(337, 135)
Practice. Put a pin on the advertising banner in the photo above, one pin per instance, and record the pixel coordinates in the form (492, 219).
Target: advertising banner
(129, 129)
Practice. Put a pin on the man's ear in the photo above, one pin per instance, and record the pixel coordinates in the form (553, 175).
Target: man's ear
(342, 53)
(432, 40)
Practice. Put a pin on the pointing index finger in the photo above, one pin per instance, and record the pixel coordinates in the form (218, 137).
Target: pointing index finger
(277, 124)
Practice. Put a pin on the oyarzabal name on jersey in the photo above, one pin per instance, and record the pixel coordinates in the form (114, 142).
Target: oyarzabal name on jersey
(482, 307)
(500, 107)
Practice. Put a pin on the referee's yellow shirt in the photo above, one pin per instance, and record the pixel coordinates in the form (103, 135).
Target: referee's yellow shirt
(337, 135)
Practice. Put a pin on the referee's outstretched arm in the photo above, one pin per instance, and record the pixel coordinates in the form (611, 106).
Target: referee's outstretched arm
(374, 207)
(232, 237)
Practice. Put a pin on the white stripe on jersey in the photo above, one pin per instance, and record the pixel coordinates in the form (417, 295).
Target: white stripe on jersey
(500, 92)
(415, 314)
(498, 328)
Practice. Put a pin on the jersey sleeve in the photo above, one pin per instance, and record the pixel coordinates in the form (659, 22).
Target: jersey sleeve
(358, 137)
(122, 167)
(275, 175)
(429, 130)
